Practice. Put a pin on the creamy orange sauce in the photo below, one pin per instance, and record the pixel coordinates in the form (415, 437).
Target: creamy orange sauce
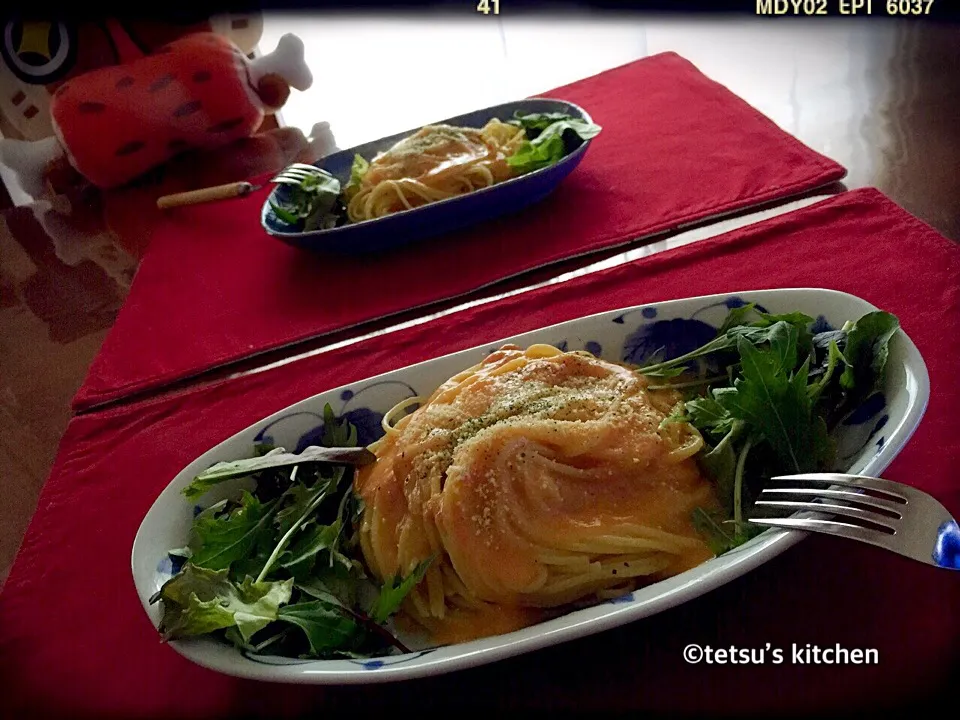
(487, 620)
(536, 482)
(429, 152)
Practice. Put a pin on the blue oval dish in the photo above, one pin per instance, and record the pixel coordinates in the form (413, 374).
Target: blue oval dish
(438, 217)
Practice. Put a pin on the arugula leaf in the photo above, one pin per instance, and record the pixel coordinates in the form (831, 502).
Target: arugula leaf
(223, 534)
(774, 414)
(725, 342)
(336, 580)
(797, 319)
(198, 601)
(716, 530)
(326, 628)
(800, 322)
(299, 516)
(736, 316)
(867, 350)
(776, 405)
(300, 498)
(665, 373)
(214, 475)
(329, 543)
(319, 589)
(300, 557)
(295, 534)
(722, 534)
(707, 414)
(824, 446)
(833, 358)
(783, 343)
(394, 591)
(252, 564)
(341, 433)
(720, 464)
(277, 458)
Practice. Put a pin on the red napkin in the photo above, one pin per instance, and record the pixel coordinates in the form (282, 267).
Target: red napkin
(676, 148)
(74, 641)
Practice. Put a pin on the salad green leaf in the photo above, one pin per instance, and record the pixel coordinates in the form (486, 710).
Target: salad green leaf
(357, 170)
(301, 500)
(775, 392)
(198, 601)
(773, 401)
(313, 202)
(275, 569)
(537, 122)
(393, 593)
(866, 351)
(550, 137)
(275, 458)
(326, 627)
(227, 532)
(301, 556)
(720, 463)
(718, 532)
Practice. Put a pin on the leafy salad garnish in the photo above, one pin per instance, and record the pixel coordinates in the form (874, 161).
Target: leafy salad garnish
(319, 202)
(550, 137)
(274, 569)
(766, 393)
(313, 202)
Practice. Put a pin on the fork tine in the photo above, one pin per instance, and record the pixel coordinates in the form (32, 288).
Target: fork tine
(302, 170)
(893, 489)
(828, 527)
(297, 174)
(304, 166)
(832, 509)
(287, 179)
(858, 498)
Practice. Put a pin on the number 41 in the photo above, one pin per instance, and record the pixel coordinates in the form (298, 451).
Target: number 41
(484, 6)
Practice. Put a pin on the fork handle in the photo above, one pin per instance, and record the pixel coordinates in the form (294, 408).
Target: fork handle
(193, 197)
(946, 552)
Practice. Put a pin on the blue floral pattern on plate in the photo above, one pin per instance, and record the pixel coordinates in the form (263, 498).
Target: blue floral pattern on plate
(391, 660)
(665, 339)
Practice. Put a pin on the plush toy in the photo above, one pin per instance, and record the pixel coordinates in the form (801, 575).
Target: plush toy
(115, 123)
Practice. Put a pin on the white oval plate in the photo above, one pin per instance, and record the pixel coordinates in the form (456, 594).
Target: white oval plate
(867, 447)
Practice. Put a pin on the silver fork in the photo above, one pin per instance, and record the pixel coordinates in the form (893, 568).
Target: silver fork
(297, 173)
(872, 510)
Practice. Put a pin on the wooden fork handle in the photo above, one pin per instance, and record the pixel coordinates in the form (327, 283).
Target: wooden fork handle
(193, 197)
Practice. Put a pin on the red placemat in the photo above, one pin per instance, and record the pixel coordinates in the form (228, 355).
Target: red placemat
(676, 148)
(74, 641)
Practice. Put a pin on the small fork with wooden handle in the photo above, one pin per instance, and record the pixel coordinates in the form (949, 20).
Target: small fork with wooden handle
(872, 510)
(194, 197)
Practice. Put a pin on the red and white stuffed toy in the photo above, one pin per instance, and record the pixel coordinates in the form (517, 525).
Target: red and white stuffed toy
(199, 92)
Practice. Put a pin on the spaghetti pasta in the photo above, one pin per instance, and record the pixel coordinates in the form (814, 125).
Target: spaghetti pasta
(536, 478)
(435, 163)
